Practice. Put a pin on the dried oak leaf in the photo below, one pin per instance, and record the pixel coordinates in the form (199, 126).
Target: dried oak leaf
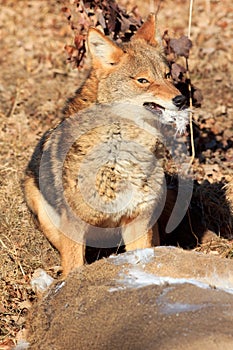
(100, 18)
(72, 55)
(181, 46)
(197, 96)
(114, 20)
(67, 12)
(79, 41)
(177, 72)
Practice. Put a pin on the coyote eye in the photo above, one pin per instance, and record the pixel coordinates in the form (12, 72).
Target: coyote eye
(168, 75)
(143, 81)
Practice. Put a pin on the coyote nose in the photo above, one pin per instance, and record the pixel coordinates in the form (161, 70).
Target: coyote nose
(179, 101)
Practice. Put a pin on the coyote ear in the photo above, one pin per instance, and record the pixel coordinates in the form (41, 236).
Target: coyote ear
(148, 31)
(102, 48)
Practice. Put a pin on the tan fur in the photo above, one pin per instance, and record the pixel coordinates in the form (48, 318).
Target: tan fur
(113, 65)
(132, 74)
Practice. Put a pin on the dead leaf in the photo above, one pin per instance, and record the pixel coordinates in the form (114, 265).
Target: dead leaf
(177, 72)
(181, 46)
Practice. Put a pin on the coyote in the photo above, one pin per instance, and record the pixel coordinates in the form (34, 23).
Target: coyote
(96, 179)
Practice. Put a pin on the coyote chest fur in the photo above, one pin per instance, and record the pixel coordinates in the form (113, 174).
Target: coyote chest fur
(97, 178)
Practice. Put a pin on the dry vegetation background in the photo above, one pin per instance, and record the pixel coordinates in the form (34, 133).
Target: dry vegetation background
(35, 81)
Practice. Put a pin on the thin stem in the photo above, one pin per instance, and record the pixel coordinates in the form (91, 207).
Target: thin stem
(190, 113)
(190, 18)
(190, 87)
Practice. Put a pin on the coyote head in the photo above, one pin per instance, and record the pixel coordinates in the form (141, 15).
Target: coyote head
(136, 72)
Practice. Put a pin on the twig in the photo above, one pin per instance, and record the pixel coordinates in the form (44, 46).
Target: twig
(191, 227)
(190, 113)
(13, 254)
(3, 244)
(190, 87)
(119, 245)
(12, 110)
(158, 7)
(190, 18)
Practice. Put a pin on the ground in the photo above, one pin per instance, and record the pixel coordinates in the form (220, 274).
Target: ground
(35, 81)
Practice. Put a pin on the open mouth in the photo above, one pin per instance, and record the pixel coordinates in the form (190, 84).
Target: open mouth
(178, 118)
(154, 107)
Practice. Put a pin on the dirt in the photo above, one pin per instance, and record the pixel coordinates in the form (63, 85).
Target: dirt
(35, 81)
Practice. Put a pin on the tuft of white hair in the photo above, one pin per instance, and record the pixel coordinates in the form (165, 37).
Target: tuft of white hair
(179, 118)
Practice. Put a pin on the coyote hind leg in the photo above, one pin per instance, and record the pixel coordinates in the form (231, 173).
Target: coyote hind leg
(71, 252)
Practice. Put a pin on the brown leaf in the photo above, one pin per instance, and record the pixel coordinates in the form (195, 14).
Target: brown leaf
(67, 12)
(2, 308)
(69, 49)
(177, 72)
(100, 18)
(79, 41)
(125, 24)
(197, 96)
(181, 46)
